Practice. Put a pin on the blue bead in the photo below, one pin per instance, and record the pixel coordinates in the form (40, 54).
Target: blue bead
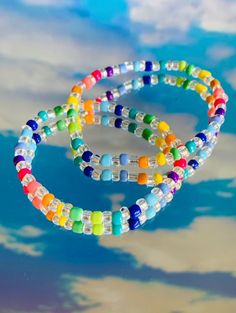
(135, 84)
(132, 113)
(105, 120)
(86, 156)
(106, 175)
(135, 211)
(27, 132)
(216, 119)
(118, 123)
(137, 66)
(122, 90)
(164, 188)
(124, 159)
(193, 163)
(106, 160)
(151, 199)
(123, 176)
(134, 223)
(43, 115)
(161, 78)
(21, 145)
(147, 80)
(162, 65)
(116, 230)
(191, 146)
(76, 143)
(104, 106)
(36, 138)
(123, 68)
(202, 154)
(163, 202)
(116, 218)
(202, 137)
(118, 109)
(150, 213)
(88, 171)
(148, 66)
(32, 146)
(211, 129)
(28, 159)
(33, 124)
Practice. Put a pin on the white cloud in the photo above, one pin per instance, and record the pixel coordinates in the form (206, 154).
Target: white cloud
(206, 246)
(55, 3)
(11, 239)
(164, 21)
(224, 194)
(115, 295)
(220, 52)
(230, 77)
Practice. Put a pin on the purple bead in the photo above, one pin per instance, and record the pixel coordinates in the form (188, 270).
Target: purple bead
(173, 175)
(109, 95)
(220, 111)
(109, 71)
(18, 159)
(173, 191)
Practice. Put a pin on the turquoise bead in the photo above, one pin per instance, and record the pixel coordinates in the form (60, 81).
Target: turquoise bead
(151, 199)
(202, 154)
(161, 78)
(105, 120)
(135, 84)
(106, 160)
(43, 115)
(104, 106)
(47, 130)
(116, 230)
(132, 113)
(191, 146)
(137, 66)
(106, 175)
(162, 65)
(150, 213)
(185, 174)
(76, 143)
(116, 218)
(27, 132)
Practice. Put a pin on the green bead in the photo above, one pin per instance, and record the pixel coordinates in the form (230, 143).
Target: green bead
(176, 154)
(61, 125)
(132, 127)
(186, 84)
(76, 213)
(189, 69)
(161, 78)
(78, 160)
(179, 81)
(58, 110)
(116, 230)
(182, 65)
(191, 146)
(147, 133)
(116, 218)
(43, 115)
(98, 229)
(77, 227)
(97, 217)
(72, 113)
(148, 118)
(73, 127)
(132, 113)
(47, 130)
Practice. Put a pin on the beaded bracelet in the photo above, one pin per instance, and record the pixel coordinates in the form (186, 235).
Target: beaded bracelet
(97, 222)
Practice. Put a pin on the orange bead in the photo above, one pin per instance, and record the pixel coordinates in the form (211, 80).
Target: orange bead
(89, 119)
(47, 199)
(210, 99)
(77, 89)
(37, 203)
(88, 105)
(170, 138)
(211, 111)
(166, 150)
(143, 161)
(50, 215)
(214, 83)
(142, 178)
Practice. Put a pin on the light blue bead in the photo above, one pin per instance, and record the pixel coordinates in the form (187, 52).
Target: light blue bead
(123, 68)
(28, 159)
(32, 147)
(163, 203)
(164, 188)
(104, 106)
(105, 120)
(106, 175)
(151, 199)
(135, 84)
(116, 218)
(211, 129)
(106, 160)
(150, 213)
(202, 154)
(137, 67)
(124, 159)
(26, 132)
(21, 145)
(123, 176)
(122, 90)
(216, 119)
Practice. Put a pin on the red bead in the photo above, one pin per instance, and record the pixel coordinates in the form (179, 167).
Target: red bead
(97, 75)
(25, 190)
(181, 163)
(219, 101)
(23, 172)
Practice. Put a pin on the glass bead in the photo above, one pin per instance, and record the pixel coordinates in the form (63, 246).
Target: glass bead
(138, 131)
(142, 203)
(157, 207)
(169, 197)
(27, 179)
(95, 159)
(41, 192)
(125, 227)
(154, 123)
(55, 220)
(112, 121)
(128, 85)
(152, 162)
(129, 66)
(152, 139)
(107, 230)
(155, 66)
(97, 120)
(179, 171)
(142, 218)
(158, 192)
(68, 225)
(169, 182)
(196, 72)
(88, 229)
(115, 176)
(190, 171)
(111, 107)
(96, 175)
(125, 124)
(139, 117)
(125, 112)
(86, 218)
(125, 213)
(51, 114)
(30, 197)
(154, 79)
(116, 70)
(22, 165)
(169, 158)
(198, 142)
(132, 177)
(107, 217)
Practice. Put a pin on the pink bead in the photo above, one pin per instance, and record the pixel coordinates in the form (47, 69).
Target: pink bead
(88, 82)
(219, 101)
(218, 92)
(32, 187)
(37, 203)
(97, 75)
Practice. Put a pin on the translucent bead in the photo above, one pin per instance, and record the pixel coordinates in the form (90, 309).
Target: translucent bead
(116, 70)
(196, 71)
(158, 192)
(154, 123)
(154, 80)
(112, 121)
(208, 134)
(97, 120)
(169, 197)
(142, 203)
(179, 171)
(155, 66)
(193, 84)
(125, 124)
(125, 213)
(198, 142)
(138, 131)
(95, 159)
(175, 65)
(66, 209)
(115, 176)
(86, 218)
(152, 162)
(169, 182)
(41, 192)
(76, 134)
(128, 85)
(125, 112)
(44, 210)
(51, 114)
(42, 135)
(25, 139)
(169, 65)
(125, 227)
(53, 128)
(207, 80)
(55, 219)
(133, 160)
(88, 229)
(116, 160)
(27, 179)
(129, 66)
(139, 117)
(142, 218)
(103, 72)
(31, 154)
(96, 175)
(132, 177)
(111, 107)
(178, 185)
(96, 106)
(190, 171)
(142, 65)
(30, 197)
(169, 158)
(21, 165)
(107, 217)
(68, 225)
(22, 152)
(172, 81)
(107, 230)
(199, 160)
(176, 143)
(157, 207)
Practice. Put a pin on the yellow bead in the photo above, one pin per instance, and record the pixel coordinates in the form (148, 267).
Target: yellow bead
(73, 100)
(74, 152)
(62, 221)
(200, 88)
(203, 74)
(97, 217)
(160, 142)
(79, 124)
(158, 178)
(98, 229)
(59, 209)
(161, 159)
(182, 65)
(163, 127)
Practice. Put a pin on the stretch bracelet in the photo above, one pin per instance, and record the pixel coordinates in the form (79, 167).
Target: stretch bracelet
(89, 222)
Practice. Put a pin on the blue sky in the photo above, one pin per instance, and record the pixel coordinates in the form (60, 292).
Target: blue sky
(185, 259)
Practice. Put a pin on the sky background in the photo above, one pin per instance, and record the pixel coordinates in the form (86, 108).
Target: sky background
(184, 261)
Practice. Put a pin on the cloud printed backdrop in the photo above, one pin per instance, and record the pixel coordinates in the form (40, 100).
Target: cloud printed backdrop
(185, 260)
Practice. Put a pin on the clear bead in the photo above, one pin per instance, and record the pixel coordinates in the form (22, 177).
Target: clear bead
(132, 177)
(175, 65)
(55, 219)
(42, 135)
(44, 210)
(115, 176)
(169, 158)
(86, 218)
(53, 205)
(125, 213)
(107, 230)
(96, 175)
(133, 160)
(25, 139)
(111, 107)
(142, 65)
(51, 114)
(66, 209)
(83, 165)
(68, 224)
(158, 192)
(95, 159)
(41, 192)
(199, 160)
(129, 66)
(96, 107)
(154, 123)
(21, 165)
(125, 227)
(107, 217)
(128, 85)
(97, 120)
(155, 66)
(88, 229)
(27, 179)
(112, 121)
(184, 152)
(207, 80)
(116, 160)
(142, 203)
(22, 152)
(125, 112)
(190, 170)
(76, 134)
(196, 72)
(142, 218)
(198, 142)
(169, 197)
(30, 197)
(125, 124)
(176, 143)
(169, 65)
(103, 72)
(193, 84)
(152, 139)
(154, 80)
(152, 162)
(169, 182)
(116, 70)
(157, 207)
(178, 185)
(179, 171)
(138, 131)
